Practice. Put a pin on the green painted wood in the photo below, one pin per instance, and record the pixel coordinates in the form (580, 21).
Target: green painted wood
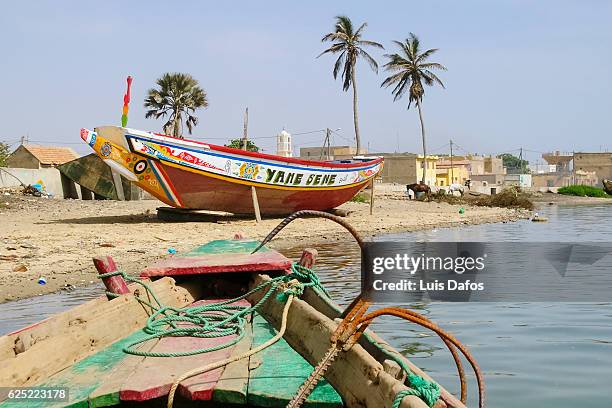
(227, 246)
(92, 173)
(278, 371)
(83, 377)
(233, 385)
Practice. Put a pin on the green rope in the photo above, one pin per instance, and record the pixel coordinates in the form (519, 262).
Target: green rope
(428, 391)
(213, 319)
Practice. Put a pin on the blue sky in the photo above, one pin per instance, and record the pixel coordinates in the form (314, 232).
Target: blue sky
(520, 73)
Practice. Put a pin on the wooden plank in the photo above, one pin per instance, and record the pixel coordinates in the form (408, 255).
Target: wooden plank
(155, 375)
(107, 393)
(84, 376)
(65, 338)
(355, 374)
(280, 372)
(373, 343)
(233, 384)
(213, 258)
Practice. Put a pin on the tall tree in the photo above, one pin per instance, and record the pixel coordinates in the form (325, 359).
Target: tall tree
(177, 97)
(349, 44)
(409, 71)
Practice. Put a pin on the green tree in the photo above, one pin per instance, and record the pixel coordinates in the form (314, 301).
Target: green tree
(409, 71)
(177, 97)
(348, 43)
(237, 144)
(4, 153)
(513, 164)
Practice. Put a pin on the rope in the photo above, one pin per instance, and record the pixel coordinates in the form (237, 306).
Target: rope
(428, 391)
(214, 319)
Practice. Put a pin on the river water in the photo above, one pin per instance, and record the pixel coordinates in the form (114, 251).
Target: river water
(532, 354)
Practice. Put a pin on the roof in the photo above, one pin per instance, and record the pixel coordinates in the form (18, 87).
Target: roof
(52, 155)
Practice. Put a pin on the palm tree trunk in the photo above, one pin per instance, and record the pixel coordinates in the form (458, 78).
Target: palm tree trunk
(177, 125)
(355, 119)
(418, 102)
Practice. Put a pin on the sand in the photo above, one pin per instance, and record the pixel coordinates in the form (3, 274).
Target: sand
(56, 239)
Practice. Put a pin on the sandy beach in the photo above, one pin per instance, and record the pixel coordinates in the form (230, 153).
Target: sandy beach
(56, 239)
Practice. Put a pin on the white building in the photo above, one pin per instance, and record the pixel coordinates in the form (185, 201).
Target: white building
(283, 144)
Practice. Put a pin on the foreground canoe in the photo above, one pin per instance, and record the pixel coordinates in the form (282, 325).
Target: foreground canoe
(83, 348)
(191, 174)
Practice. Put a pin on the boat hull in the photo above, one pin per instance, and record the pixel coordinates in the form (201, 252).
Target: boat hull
(201, 192)
(195, 175)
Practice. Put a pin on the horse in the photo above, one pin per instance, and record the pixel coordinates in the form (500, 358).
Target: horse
(456, 187)
(418, 188)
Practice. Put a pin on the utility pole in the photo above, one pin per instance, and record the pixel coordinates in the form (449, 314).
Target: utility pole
(244, 129)
(451, 160)
(521, 161)
(326, 142)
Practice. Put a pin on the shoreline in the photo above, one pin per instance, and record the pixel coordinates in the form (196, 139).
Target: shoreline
(56, 239)
(560, 199)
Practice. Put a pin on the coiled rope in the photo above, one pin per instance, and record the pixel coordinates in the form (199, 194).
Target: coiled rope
(213, 319)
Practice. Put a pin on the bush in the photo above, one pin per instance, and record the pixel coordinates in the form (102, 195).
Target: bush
(512, 197)
(360, 198)
(583, 191)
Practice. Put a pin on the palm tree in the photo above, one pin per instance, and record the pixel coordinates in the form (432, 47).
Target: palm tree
(178, 97)
(349, 44)
(410, 70)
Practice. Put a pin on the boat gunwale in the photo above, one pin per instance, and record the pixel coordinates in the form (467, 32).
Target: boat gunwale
(265, 156)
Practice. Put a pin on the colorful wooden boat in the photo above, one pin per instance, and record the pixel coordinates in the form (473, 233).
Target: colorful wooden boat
(607, 186)
(191, 174)
(82, 349)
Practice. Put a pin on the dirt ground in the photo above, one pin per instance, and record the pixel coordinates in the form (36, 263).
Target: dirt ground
(56, 239)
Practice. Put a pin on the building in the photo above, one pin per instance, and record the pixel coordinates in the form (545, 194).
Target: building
(407, 168)
(600, 163)
(457, 172)
(283, 144)
(431, 163)
(487, 183)
(39, 157)
(475, 163)
(518, 180)
(335, 152)
(494, 165)
(562, 161)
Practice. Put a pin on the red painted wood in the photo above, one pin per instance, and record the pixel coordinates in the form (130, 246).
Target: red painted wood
(115, 284)
(199, 191)
(309, 258)
(154, 375)
(219, 263)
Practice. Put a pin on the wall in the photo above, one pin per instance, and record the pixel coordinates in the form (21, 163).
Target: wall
(494, 165)
(399, 169)
(546, 180)
(460, 175)
(431, 169)
(600, 163)
(314, 153)
(51, 177)
(23, 159)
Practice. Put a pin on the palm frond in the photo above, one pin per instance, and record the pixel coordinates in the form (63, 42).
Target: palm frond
(371, 61)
